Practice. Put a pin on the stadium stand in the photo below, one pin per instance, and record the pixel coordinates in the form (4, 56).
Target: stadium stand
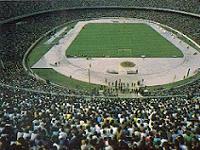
(15, 8)
(42, 121)
(40, 116)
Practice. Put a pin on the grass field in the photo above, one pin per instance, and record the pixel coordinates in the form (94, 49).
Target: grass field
(55, 77)
(121, 40)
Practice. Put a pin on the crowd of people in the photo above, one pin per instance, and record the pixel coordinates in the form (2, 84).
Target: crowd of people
(29, 120)
(10, 9)
(40, 116)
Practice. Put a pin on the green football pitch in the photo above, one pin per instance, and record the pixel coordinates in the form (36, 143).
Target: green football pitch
(121, 40)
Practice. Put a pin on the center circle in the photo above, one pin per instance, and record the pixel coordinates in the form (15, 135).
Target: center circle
(127, 64)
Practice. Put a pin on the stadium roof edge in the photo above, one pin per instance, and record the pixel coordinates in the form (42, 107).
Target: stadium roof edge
(18, 18)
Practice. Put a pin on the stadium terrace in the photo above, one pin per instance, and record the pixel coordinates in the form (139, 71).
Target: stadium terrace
(100, 75)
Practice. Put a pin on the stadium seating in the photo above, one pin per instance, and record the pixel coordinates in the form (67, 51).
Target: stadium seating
(16, 8)
(42, 121)
(37, 115)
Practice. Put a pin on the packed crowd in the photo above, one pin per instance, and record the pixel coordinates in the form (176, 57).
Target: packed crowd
(53, 120)
(10, 9)
(191, 89)
(43, 122)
